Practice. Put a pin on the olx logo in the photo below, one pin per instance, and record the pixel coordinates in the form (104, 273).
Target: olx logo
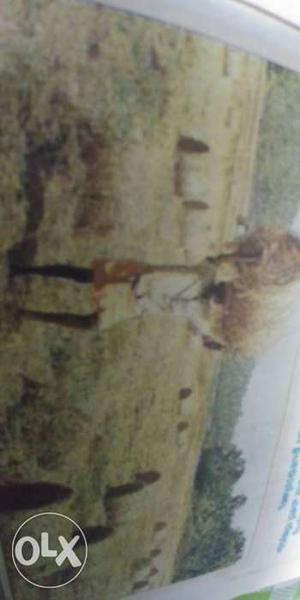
(44, 550)
(40, 541)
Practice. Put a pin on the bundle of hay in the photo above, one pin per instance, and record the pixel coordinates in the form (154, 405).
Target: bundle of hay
(260, 302)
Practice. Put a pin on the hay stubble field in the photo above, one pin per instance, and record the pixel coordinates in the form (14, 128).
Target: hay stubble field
(95, 109)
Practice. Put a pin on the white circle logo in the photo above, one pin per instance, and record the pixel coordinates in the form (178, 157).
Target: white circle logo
(49, 550)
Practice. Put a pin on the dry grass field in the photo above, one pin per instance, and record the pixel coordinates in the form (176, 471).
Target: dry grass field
(95, 107)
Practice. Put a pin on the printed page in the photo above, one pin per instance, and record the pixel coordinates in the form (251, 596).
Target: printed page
(150, 330)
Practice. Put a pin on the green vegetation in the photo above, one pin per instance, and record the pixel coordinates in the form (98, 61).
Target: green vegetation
(275, 195)
(226, 407)
(211, 542)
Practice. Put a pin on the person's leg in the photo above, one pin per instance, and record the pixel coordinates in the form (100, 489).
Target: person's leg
(78, 274)
(103, 271)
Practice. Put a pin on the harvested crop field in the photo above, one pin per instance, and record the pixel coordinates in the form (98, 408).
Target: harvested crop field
(115, 143)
